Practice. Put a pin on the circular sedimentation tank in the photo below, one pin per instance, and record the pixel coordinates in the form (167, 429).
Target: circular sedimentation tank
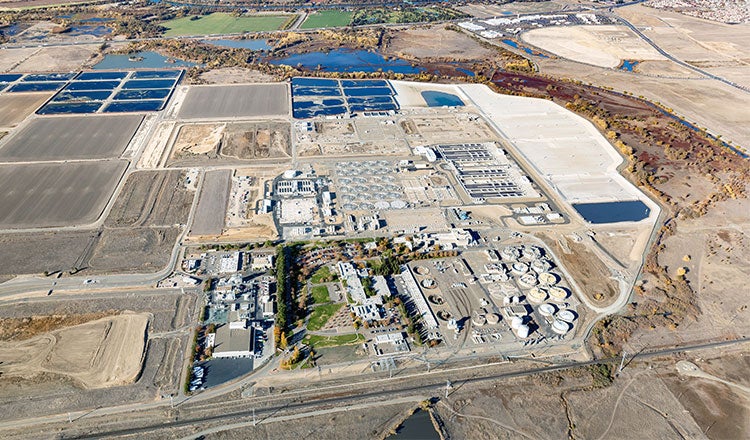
(546, 309)
(436, 299)
(557, 293)
(532, 252)
(429, 283)
(422, 270)
(519, 268)
(528, 280)
(444, 315)
(537, 295)
(492, 319)
(541, 265)
(510, 253)
(479, 320)
(560, 327)
(566, 316)
(548, 278)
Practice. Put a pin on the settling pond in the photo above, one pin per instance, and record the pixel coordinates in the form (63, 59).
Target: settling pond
(345, 60)
(141, 60)
(440, 99)
(613, 212)
(417, 427)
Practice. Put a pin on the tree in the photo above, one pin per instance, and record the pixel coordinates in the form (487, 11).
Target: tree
(283, 342)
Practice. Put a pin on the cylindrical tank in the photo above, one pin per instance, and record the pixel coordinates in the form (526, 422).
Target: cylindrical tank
(566, 315)
(523, 331)
(516, 322)
(546, 309)
(510, 253)
(492, 319)
(479, 320)
(541, 265)
(507, 300)
(516, 299)
(548, 278)
(290, 174)
(557, 293)
(532, 252)
(560, 327)
(536, 295)
(519, 268)
(528, 280)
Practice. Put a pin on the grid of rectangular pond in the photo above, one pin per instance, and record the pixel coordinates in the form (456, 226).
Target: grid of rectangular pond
(113, 92)
(320, 96)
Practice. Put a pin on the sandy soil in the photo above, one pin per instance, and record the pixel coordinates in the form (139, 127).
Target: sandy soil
(58, 59)
(16, 107)
(197, 139)
(603, 46)
(235, 75)
(102, 353)
(436, 42)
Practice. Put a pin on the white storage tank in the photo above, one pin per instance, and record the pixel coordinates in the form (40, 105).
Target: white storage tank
(516, 322)
(523, 331)
(560, 327)
(547, 310)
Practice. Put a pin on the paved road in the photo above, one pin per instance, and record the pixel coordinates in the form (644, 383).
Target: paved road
(313, 399)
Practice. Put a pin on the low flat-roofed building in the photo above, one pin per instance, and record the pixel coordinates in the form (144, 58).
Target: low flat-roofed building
(233, 341)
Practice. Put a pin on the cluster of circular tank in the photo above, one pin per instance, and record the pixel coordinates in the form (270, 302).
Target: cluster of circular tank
(481, 319)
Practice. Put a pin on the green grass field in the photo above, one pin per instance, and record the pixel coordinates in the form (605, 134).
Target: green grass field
(333, 341)
(320, 294)
(321, 314)
(322, 275)
(327, 19)
(221, 23)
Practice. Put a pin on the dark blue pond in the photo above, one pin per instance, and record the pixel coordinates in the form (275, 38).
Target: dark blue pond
(628, 65)
(369, 91)
(315, 91)
(324, 111)
(155, 74)
(372, 107)
(345, 60)
(613, 212)
(149, 84)
(78, 107)
(314, 82)
(143, 94)
(529, 51)
(466, 72)
(93, 85)
(9, 77)
(140, 60)
(36, 87)
(93, 76)
(304, 105)
(86, 95)
(364, 83)
(417, 427)
(134, 106)
(97, 20)
(240, 44)
(440, 99)
(49, 77)
(371, 100)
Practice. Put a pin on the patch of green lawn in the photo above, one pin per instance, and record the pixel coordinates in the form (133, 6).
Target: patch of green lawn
(333, 341)
(221, 23)
(322, 275)
(321, 314)
(324, 19)
(320, 294)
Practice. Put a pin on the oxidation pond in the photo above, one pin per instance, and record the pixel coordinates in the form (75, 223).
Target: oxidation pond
(344, 60)
(139, 60)
(440, 99)
(613, 212)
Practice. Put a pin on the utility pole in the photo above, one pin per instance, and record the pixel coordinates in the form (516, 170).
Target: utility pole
(448, 386)
(622, 362)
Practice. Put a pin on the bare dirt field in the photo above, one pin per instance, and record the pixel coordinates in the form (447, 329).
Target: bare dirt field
(212, 203)
(16, 107)
(98, 354)
(235, 75)
(235, 101)
(604, 46)
(74, 137)
(58, 59)
(493, 10)
(366, 136)
(161, 361)
(139, 250)
(231, 142)
(436, 42)
(152, 198)
(10, 58)
(44, 195)
(453, 127)
(39, 252)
